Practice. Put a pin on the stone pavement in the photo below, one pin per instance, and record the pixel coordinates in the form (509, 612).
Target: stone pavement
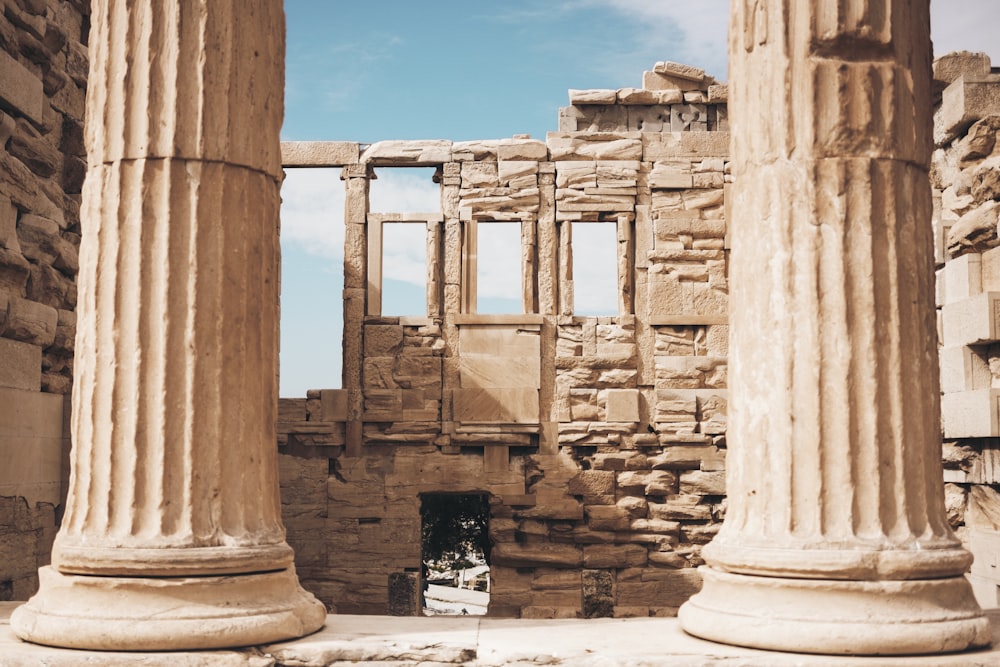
(479, 642)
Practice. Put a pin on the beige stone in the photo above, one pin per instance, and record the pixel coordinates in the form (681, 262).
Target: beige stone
(791, 569)
(173, 495)
(319, 153)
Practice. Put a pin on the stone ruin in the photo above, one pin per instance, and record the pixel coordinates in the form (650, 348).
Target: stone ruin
(600, 441)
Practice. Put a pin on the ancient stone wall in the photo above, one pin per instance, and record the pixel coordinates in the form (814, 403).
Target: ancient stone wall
(43, 76)
(966, 177)
(600, 440)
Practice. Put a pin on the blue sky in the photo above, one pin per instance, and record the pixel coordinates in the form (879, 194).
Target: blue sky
(403, 69)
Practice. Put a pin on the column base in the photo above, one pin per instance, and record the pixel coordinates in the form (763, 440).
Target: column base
(168, 613)
(895, 617)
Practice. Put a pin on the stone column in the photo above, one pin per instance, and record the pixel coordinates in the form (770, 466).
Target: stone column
(172, 537)
(835, 538)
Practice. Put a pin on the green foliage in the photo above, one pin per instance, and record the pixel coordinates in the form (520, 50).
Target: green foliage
(455, 529)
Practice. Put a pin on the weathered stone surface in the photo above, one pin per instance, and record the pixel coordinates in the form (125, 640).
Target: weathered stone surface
(790, 446)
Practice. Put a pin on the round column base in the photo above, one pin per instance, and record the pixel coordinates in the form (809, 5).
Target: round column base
(167, 613)
(836, 617)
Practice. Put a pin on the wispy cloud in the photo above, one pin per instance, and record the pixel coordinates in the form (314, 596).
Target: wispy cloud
(694, 33)
(312, 211)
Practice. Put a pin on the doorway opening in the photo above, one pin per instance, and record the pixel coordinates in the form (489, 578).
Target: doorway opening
(455, 546)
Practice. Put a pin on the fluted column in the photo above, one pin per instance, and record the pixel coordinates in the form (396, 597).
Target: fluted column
(173, 498)
(835, 538)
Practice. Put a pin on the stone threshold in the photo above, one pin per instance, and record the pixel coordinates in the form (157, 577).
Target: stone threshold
(395, 641)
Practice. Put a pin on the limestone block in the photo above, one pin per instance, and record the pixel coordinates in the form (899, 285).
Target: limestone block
(666, 145)
(962, 277)
(21, 89)
(622, 405)
(964, 369)
(480, 175)
(990, 270)
(511, 171)
(637, 96)
(319, 153)
(614, 556)
(972, 321)
(718, 92)
(964, 102)
(594, 145)
(974, 230)
(951, 66)
(334, 405)
(495, 405)
(688, 118)
(985, 180)
(20, 365)
(31, 444)
(382, 340)
(31, 322)
(578, 175)
(668, 177)
(697, 482)
(680, 71)
(661, 588)
(970, 414)
(979, 141)
(658, 81)
(592, 484)
(536, 555)
(593, 96)
(650, 118)
(398, 153)
(522, 149)
(606, 517)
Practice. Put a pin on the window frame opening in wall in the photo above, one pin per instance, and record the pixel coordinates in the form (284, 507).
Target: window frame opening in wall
(432, 282)
(443, 553)
(311, 218)
(624, 266)
(525, 262)
(408, 200)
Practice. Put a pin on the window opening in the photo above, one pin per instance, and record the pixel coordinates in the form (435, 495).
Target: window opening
(312, 280)
(404, 190)
(595, 269)
(455, 548)
(499, 273)
(404, 268)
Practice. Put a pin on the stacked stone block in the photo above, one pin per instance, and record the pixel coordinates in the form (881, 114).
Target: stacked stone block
(43, 79)
(600, 440)
(967, 207)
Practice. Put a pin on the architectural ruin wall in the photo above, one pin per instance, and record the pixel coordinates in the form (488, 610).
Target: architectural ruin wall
(600, 440)
(43, 78)
(965, 174)
(602, 448)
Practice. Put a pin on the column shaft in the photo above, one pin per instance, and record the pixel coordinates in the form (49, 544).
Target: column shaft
(835, 538)
(173, 496)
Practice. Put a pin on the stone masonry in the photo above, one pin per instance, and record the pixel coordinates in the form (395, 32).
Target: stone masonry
(966, 177)
(43, 78)
(602, 449)
(600, 440)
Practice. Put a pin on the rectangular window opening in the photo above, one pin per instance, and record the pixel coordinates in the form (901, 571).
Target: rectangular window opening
(404, 190)
(499, 271)
(595, 269)
(404, 269)
(312, 281)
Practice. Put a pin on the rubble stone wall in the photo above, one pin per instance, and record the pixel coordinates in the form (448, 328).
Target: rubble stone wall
(43, 77)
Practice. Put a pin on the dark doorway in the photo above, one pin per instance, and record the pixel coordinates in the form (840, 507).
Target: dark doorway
(455, 544)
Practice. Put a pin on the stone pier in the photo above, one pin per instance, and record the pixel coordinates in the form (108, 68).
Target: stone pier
(835, 539)
(172, 537)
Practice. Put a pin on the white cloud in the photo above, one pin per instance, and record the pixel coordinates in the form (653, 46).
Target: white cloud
(693, 33)
(312, 211)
